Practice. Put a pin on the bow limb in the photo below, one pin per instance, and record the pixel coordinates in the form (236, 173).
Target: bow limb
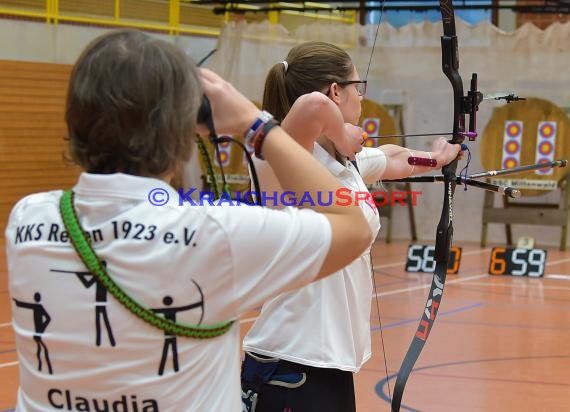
(444, 235)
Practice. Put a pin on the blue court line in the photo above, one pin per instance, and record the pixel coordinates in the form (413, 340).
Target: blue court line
(415, 320)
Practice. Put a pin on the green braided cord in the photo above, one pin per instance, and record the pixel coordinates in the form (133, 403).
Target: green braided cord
(227, 190)
(208, 162)
(92, 262)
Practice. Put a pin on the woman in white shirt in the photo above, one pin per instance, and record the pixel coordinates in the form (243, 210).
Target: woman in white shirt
(131, 114)
(303, 349)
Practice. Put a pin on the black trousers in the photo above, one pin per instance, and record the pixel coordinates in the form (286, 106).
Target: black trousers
(326, 390)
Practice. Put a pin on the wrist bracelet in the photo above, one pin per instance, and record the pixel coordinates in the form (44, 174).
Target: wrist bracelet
(262, 119)
(260, 137)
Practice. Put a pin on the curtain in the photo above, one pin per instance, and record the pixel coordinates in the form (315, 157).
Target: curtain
(404, 67)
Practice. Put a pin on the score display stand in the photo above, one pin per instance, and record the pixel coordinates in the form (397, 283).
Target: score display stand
(517, 262)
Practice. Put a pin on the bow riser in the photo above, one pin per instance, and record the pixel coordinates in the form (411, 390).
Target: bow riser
(450, 66)
(444, 235)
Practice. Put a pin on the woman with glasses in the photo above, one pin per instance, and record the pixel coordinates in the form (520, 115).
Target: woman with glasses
(303, 349)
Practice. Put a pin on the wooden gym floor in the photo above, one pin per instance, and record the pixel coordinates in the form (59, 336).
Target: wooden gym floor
(500, 343)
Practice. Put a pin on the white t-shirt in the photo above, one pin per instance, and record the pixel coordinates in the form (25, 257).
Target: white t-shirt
(80, 349)
(326, 323)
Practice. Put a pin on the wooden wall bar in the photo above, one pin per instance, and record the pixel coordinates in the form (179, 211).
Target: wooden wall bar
(32, 132)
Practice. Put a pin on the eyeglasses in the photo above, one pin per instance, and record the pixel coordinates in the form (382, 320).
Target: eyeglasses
(360, 85)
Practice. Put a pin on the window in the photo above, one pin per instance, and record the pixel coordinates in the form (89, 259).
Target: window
(400, 13)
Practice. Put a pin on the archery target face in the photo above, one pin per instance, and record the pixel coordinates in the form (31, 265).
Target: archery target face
(225, 151)
(545, 145)
(371, 126)
(512, 142)
(250, 149)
